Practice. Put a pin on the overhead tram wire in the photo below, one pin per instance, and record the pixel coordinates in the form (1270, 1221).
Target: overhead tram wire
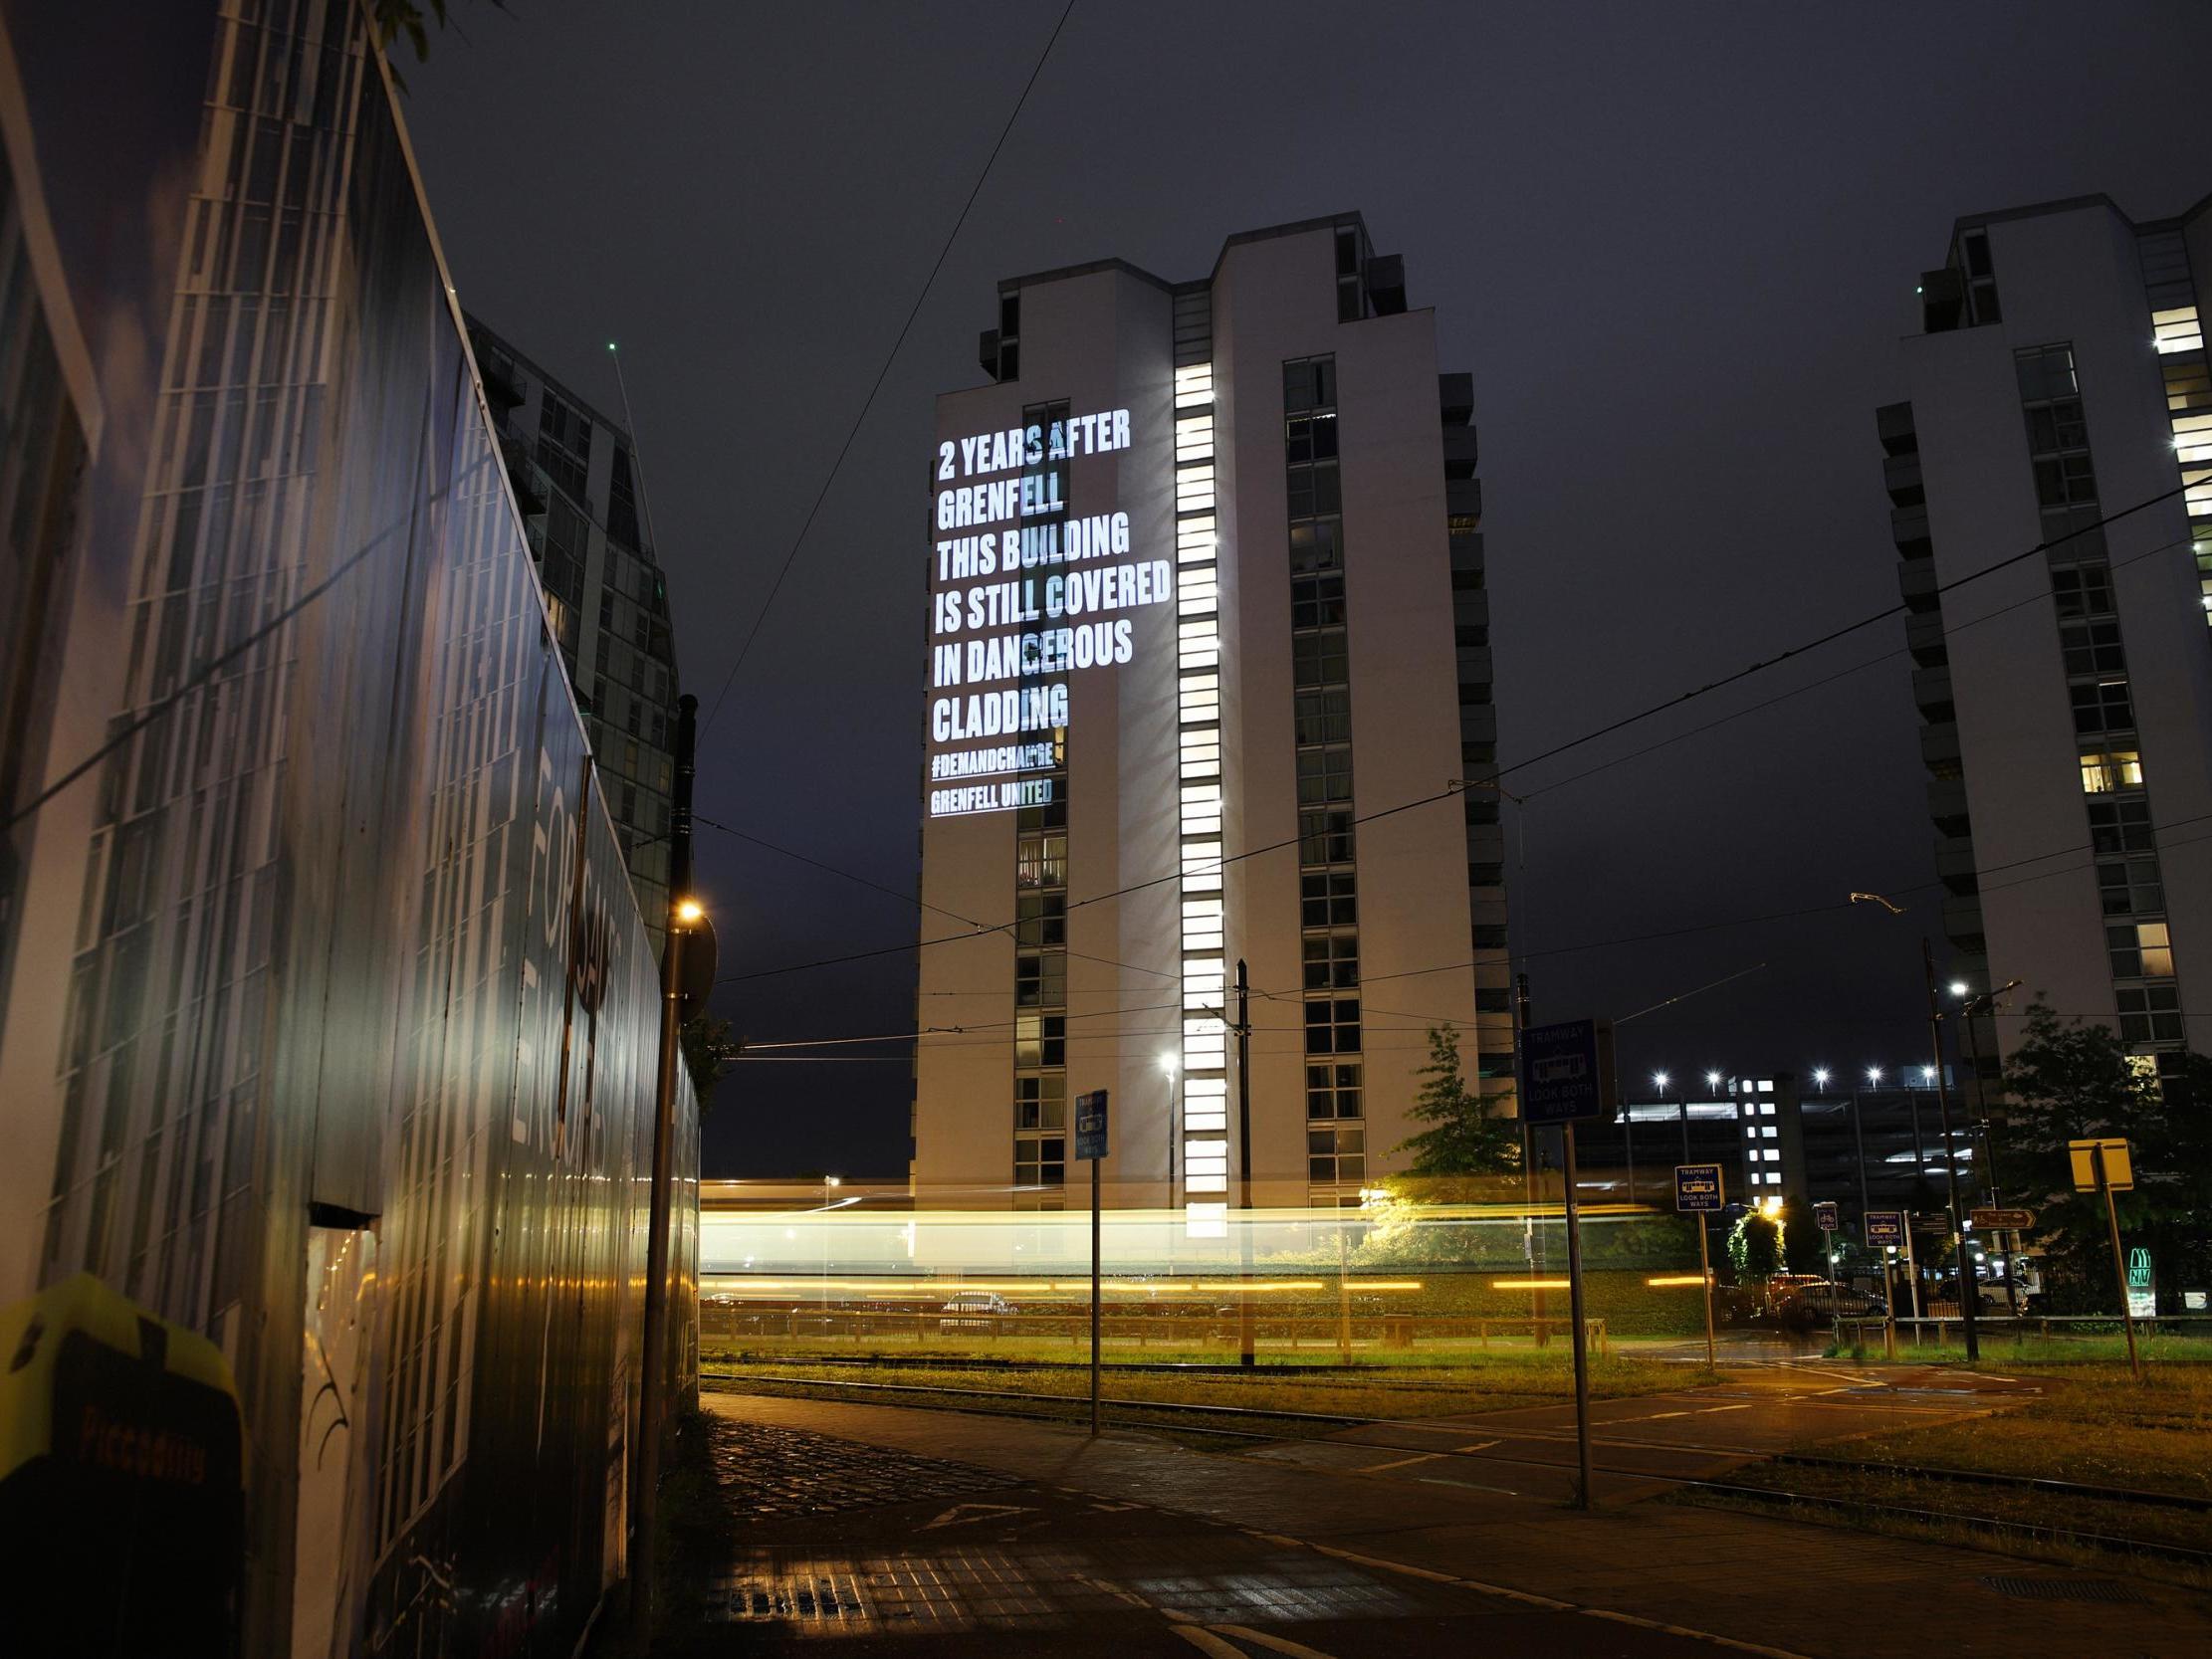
(1460, 787)
(883, 374)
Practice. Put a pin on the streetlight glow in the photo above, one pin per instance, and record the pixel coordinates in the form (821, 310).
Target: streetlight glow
(689, 911)
(1713, 1080)
(1820, 1077)
(1959, 987)
(1927, 1074)
(1168, 1064)
(1873, 1073)
(833, 1180)
(1659, 1080)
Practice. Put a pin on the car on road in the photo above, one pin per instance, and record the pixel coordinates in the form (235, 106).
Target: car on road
(974, 1311)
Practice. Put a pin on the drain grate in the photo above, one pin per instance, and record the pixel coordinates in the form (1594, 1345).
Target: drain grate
(804, 1597)
(2064, 1589)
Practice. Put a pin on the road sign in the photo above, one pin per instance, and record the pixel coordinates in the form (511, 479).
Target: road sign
(2142, 1285)
(1090, 1125)
(1698, 1188)
(2003, 1221)
(1884, 1227)
(1825, 1216)
(2119, 1172)
(1566, 1071)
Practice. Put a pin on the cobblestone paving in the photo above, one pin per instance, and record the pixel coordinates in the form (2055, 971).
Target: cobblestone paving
(769, 1471)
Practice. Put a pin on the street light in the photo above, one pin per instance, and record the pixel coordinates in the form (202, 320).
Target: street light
(1874, 1076)
(1170, 1064)
(685, 914)
(1820, 1077)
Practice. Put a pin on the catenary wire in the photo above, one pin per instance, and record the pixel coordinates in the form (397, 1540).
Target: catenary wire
(1458, 787)
(868, 402)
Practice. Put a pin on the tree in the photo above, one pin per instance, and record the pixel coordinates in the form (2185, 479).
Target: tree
(2067, 1082)
(1465, 1139)
(1755, 1245)
(708, 1046)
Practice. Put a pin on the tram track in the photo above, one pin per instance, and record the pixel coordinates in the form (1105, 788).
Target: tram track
(1250, 1424)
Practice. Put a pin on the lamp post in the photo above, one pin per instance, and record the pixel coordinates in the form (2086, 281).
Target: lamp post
(1969, 1294)
(1969, 1007)
(652, 1380)
(1169, 1068)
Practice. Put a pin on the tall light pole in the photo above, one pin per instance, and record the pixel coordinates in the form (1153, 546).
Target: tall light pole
(1169, 1068)
(652, 1366)
(1969, 1294)
(1970, 1006)
(1244, 1333)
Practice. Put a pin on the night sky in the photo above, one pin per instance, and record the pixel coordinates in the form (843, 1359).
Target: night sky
(1674, 244)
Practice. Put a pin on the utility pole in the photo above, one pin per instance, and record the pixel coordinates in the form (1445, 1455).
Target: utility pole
(652, 1381)
(1244, 1355)
(1969, 1294)
(1531, 1233)
(1984, 1002)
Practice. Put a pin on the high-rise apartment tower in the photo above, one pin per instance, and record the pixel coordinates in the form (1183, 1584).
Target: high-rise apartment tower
(2060, 401)
(1207, 614)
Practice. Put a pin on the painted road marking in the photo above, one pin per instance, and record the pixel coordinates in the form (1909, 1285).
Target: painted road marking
(1472, 1486)
(1281, 1644)
(1400, 1463)
(962, 1514)
(1206, 1642)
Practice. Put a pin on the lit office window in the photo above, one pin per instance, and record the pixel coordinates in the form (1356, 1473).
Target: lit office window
(2106, 772)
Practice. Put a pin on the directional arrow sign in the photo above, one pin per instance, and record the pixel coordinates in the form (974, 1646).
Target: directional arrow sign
(2003, 1221)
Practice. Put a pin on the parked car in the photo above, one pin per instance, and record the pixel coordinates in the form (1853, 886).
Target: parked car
(973, 1310)
(1828, 1301)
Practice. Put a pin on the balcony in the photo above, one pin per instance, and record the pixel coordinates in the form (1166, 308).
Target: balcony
(1931, 692)
(1917, 585)
(504, 385)
(1900, 476)
(1462, 498)
(1963, 924)
(1459, 452)
(1947, 805)
(1471, 607)
(1386, 283)
(1475, 666)
(1939, 748)
(1923, 637)
(1456, 398)
(1943, 301)
(1954, 863)
(523, 474)
(1485, 843)
(1477, 722)
(1893, 424)
(1909, 529)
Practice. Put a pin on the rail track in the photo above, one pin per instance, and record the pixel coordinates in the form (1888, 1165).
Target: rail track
(1214, 1421)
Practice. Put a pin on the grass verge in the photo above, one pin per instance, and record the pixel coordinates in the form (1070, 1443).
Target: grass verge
(2093, 1425)
(1521, 1380)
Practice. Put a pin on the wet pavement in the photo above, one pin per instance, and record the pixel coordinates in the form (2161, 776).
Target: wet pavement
(1018, 1537)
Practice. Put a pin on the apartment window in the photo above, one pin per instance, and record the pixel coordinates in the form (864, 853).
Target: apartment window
(1316, 546)
(2131, 886)
(1325, 836)
(1040, 860)
(1324, 716)
(1319, 659)
(2104, 772)
(1309, 383)
(1040, 1161)
(2101, 707)
(1332, 962)
(2138, 950)
(1333, 1025)
(2149, 1013)
(1324, 774)
(2084, 590)
(1039, 1040)
(1493, 999)
(1336, 1152)
(1488, 936)
(2120, 826)
(1041, 920)
(1315, 491)
(2092, 648)
(2065, 481)
(1328, 898)
(1981, 277)
(1040, 980)
(1039, 1103)
(2058, 425)
(2044, 371)
(1333, 1091)
(1317, 602)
